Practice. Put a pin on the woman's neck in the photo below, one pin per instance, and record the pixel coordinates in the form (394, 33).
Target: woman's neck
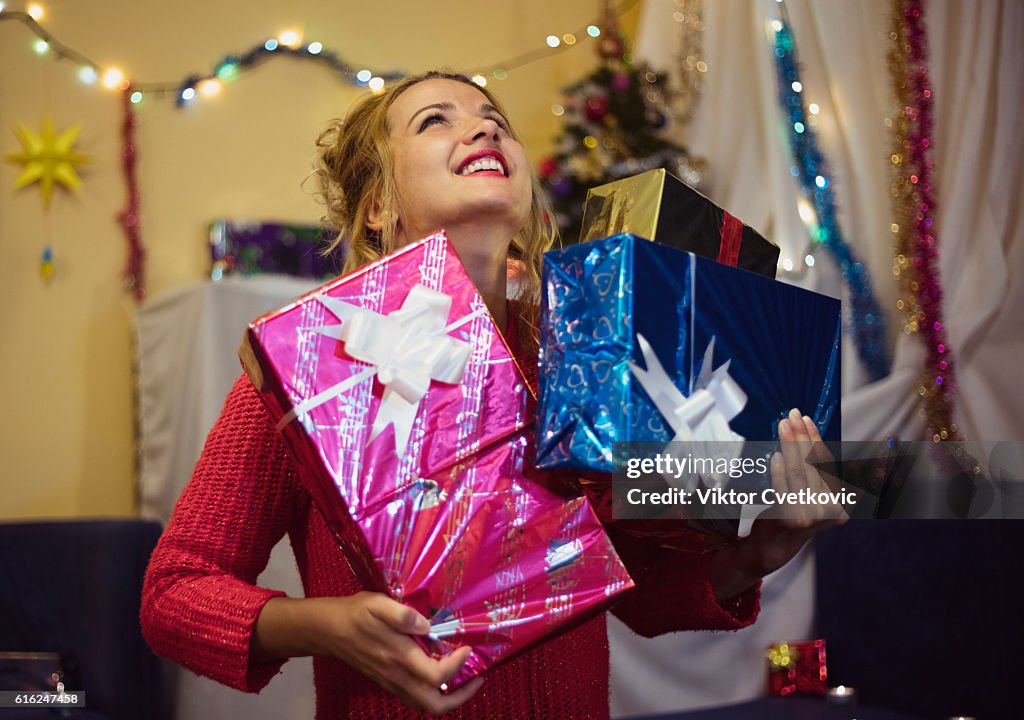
(483, 249)
(490, 275)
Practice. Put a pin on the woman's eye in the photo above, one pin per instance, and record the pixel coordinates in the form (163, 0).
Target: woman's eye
(431, 120)
(500, 121)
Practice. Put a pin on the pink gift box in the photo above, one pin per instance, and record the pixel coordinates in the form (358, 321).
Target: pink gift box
(406, 415)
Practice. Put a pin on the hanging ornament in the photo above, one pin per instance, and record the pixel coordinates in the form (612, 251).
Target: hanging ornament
(46, 264)
(596, 108)
(47, 159)
(612, 45)
(547, 166)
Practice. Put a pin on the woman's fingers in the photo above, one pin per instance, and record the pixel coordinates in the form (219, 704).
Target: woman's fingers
(834, 512)
(428, 695)
(374, 637)
(437, 703)
(799, 440)
(400, 621)
(812, 429)
(449, 665)
(421, 667)
(459, 697)
(792, 454)
(401, 618)
(429, 671)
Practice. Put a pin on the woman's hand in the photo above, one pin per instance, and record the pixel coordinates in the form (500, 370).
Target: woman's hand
(773, 541)
(371, 632)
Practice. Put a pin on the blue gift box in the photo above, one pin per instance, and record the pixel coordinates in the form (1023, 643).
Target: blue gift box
(778, 344)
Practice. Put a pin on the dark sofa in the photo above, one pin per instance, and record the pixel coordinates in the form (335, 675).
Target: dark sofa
(73, 589)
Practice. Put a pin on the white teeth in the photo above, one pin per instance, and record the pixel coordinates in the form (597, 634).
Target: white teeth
(487, 163)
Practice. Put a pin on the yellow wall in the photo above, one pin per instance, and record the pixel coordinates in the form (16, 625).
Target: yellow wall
(66, 428)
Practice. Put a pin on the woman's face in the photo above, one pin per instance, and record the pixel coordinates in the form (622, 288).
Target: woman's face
(455, 162)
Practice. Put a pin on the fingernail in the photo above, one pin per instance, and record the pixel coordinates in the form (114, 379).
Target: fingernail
(422, 625)
(794, 415)
(785, 427)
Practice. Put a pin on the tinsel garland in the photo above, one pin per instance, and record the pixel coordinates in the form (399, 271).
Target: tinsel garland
(915, 259)
(134, 270)
(867, 321)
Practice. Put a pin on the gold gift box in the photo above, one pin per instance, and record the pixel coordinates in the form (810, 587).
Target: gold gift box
(659, 206)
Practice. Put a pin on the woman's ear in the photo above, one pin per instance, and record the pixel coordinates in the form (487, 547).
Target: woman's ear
(375, 216)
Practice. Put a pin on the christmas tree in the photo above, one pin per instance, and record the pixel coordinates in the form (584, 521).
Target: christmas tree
(615, 121)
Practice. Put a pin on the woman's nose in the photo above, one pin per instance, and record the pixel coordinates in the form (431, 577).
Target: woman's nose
(484, 128)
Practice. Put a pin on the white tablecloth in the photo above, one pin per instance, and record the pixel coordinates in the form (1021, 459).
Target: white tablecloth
(187, 359)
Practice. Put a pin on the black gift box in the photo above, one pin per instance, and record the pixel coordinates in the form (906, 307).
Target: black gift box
(661, 207)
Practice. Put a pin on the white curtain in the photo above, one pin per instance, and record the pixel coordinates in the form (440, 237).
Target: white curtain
(976, 56)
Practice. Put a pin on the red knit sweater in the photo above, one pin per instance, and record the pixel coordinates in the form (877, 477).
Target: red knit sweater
(200, 603)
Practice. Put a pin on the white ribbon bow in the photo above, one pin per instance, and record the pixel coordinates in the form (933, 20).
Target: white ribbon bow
(406, 349)
(702, 418)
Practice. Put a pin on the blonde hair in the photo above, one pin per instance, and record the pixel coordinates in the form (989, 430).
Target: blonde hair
(355, 179)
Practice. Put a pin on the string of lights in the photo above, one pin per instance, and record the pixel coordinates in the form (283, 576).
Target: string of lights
(287, 44)
(230, 67)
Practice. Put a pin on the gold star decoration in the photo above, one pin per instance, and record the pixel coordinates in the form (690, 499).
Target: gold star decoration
(48, 159)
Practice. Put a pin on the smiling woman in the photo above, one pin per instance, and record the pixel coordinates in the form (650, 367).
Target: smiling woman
(406, 174)
(459, 167)
(435, 151)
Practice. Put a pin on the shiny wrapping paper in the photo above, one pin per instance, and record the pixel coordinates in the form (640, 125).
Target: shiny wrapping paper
(446, 519)
(661, 207)
(797, 667)
(240, 247)
(781, 343)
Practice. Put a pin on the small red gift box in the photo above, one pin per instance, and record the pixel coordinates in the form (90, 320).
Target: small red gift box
(797, 667)
(406, 415)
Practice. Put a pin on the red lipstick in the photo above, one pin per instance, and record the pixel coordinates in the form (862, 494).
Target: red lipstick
(481, 155)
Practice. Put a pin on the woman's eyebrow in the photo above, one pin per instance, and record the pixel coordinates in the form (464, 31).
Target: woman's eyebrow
(436, 106)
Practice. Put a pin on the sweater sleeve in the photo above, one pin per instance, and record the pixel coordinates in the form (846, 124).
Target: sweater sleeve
(673, 590)
(199, 600)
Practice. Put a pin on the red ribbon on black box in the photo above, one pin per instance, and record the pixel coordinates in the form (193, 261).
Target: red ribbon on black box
(797, 667)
